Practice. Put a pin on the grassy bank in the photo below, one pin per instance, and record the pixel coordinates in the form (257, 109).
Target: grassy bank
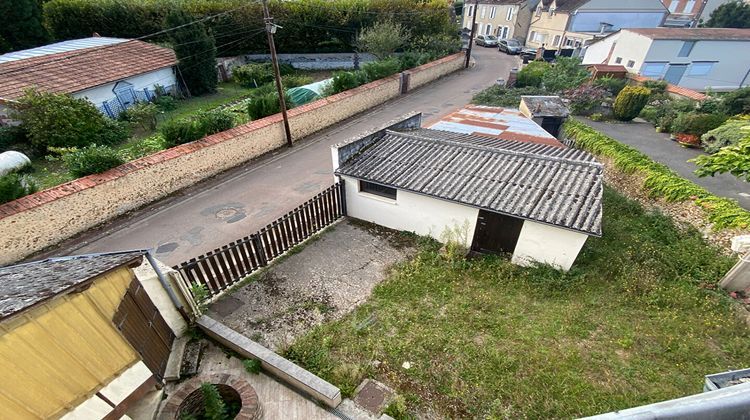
(636, 321)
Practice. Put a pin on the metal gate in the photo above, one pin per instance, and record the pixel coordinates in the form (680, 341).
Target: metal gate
(142, 325)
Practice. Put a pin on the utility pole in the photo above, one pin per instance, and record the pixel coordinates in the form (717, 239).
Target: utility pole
(270, 30)
(473, 29)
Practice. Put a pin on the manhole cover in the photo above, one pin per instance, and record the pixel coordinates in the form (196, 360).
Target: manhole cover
(373, 396)
(226, 213)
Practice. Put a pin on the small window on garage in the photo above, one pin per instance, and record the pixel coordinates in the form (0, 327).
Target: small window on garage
(618, 60)
(631, 63)
(687, 47)
(376, 189)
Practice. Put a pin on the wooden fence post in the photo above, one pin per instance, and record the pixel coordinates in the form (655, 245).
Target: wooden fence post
(261, 251)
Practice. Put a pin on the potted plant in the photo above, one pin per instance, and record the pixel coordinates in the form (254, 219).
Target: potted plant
(688, 127)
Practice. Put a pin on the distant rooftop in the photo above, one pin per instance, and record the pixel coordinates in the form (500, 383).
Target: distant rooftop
(694, 34)
(544, 183)
(58, 47)
(501, 123)
(25, 285)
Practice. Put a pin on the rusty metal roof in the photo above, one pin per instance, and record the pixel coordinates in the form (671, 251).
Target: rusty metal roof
(544, 183)
(496, 122)
(25, 285)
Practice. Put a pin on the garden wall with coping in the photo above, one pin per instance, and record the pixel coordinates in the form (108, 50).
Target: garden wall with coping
(37, 221)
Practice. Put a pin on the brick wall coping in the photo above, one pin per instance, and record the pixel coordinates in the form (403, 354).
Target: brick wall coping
(69, 188)
(251, 408)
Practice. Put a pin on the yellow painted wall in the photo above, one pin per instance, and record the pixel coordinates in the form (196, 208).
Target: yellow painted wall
(57, 355)
(549, 25)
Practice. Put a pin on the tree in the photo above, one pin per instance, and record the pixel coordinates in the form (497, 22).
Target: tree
(21, 25)
(566, 73)
(382, 39)
(196, 53)
(735, 14)
(60, 120)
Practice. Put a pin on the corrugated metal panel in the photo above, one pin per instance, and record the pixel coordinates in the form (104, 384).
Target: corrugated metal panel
(58, 354)
(549, 184)
(58, 47)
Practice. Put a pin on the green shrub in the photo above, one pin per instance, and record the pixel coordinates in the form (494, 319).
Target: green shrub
(611, 84)
(736, 102)
(177, 132)
(380, 69)
(346, 80)
(733, 159)
(143, 114)
(657, 87)
(295, 80)
(252, 366)
(13, 186)
(411, 59)
(727, 134)
(214, 406)
(696, 123)
(497, 95)
(585, 98)
(59, 120)
(566, 73)
(659, 181)
(532, 74)
(214, 121)
(650, 113)
(11, 136)
(264, 105)
(436, 45)
(165, 103)
(253, 75)
(383, 38)
(596, 117)
(630, 102)
(91, 159)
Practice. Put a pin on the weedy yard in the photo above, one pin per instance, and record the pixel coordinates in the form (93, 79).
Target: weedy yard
(637, 320)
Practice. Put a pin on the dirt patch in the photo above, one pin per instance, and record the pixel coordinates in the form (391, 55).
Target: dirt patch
(321, 282)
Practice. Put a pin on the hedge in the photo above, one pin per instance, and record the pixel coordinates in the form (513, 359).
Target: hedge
(308, 25)
(660, 181)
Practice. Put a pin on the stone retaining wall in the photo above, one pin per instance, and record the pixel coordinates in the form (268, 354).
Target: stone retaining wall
(45, 218)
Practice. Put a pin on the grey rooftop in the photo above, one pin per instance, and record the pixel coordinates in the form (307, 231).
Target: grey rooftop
(547, 184)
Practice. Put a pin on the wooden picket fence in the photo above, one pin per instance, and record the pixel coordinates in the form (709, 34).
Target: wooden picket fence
(221, 268)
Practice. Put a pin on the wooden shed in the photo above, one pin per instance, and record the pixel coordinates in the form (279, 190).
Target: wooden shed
(79, 337)
(606, 70)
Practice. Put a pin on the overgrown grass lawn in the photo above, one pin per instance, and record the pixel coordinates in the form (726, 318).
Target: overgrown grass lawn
(636, 321)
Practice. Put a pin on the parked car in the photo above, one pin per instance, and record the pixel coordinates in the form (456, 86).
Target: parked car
(509, 46)
(486, 40)
(528, 53)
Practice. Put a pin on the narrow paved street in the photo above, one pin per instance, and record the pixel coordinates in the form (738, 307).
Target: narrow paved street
(657, 146)
(243, 200)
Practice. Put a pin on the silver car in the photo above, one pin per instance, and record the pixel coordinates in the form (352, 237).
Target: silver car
(486, 40)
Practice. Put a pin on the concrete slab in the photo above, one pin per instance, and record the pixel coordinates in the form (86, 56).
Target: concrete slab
(326, 280)
(174, 364)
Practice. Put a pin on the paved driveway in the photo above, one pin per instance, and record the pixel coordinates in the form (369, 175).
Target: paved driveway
(241, 201)
(658, 146)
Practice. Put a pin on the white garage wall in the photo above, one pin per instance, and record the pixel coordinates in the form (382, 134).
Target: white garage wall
(412, 213)
(99, 94)
(547, 244)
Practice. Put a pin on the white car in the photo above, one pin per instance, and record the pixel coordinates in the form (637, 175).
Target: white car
(486, 40)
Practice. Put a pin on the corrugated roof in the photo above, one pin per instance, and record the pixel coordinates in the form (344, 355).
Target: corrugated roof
(25, 285)
(547, 184)
(694, 34)
(58, 47)
(77, 70)
(545, 106)
(496, 122)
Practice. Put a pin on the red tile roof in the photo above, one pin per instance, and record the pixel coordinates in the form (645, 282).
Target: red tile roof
(694, 34)
(74, 71)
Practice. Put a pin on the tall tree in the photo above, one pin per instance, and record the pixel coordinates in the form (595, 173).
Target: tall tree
(735, 14)
(196, 53)
(21, 25)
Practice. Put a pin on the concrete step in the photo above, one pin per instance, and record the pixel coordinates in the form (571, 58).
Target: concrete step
(174, 364)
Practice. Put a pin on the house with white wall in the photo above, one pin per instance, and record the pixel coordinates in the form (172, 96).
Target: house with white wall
(536, 201)
(574, 23)
(689, 13)
(505, 19)
(694, 58)
(111, 73)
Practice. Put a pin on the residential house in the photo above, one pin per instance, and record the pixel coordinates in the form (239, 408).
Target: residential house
(83, 337)
(112, 73)
(693, 58)
(488, 178)
(689, 13)
(573, 23)
(503, 18)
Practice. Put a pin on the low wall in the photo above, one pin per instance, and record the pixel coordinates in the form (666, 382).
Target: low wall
(434, 70)
(45, 218)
